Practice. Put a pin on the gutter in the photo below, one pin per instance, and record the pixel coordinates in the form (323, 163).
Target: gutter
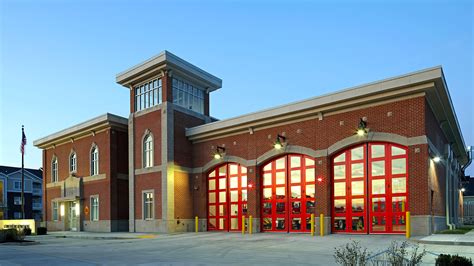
(448, 181)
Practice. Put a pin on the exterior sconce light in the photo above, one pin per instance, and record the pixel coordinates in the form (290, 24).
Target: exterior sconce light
(436, 159)
(250, 186)
(220, 152)
(280, 141)
(362, 128)
(463, 190)
(320, 179)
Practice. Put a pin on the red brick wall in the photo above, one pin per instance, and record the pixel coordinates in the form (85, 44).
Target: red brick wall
(407, 119)
(113, 159)
(184, 183)
(147, 182)
(152, 122)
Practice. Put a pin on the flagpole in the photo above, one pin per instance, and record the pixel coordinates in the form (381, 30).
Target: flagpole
(22, 177)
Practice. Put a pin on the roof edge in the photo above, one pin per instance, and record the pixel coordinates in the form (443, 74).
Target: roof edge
(107, 117)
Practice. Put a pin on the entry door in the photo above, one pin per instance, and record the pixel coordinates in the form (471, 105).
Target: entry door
(227, 197)
(72, 216)
(288, 194)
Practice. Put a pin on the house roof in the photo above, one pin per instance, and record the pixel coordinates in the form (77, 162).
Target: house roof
(430, 81)
(163, 60)
(80, 129)
(7, 170)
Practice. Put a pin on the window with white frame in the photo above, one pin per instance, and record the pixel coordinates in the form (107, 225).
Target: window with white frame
(17, 200)
(94, 208)
(54, 170)
(188, 96)
(148, 205)
(55, 211)
(17, 185)
(95, 161)
(148, 150)
(148, 94)
(73, 162)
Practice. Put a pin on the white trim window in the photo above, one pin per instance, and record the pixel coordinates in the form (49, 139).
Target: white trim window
(94, 208)
(148, 94)
(148, 204)
(17, 185)
(55, 211)
(148, 151)
(95, 161)
(17, 200)
(188, 96)
(54, 170)
(73, 162)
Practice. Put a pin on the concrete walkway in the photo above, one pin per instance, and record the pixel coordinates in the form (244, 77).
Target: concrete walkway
(439, 239)
(447, 239)
(94, 235)
(205, 248)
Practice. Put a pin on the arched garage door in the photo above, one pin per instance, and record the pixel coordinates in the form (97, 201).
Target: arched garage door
(370, 189)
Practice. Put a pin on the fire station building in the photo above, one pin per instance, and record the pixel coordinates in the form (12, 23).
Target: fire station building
(363, 157)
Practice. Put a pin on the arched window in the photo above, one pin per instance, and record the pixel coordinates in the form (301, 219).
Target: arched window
(54, 170)
(95, 160)
(73, 162)
(148, 151)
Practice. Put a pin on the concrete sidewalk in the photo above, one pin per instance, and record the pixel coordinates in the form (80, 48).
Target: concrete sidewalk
(447, 239)
(95, 235)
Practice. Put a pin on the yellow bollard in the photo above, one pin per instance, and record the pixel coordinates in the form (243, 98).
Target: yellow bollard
(243, 224)
(196, 224)
(312, 224)
(321, 224)
(250, 224)
(408, 225)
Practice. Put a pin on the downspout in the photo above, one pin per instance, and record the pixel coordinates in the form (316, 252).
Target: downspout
(447, 181)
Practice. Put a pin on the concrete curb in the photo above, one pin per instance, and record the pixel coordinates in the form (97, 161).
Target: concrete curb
(453, 243)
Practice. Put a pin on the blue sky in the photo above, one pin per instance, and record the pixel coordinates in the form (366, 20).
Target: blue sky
(59, 58)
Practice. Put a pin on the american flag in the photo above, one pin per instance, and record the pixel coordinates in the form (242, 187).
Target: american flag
(23, 141)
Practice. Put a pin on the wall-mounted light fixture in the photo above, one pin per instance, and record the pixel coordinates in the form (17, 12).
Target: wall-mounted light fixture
(220, 152)
(279, 142)
(436, 159)
(463, 189)
(320, 179)
(362, 128)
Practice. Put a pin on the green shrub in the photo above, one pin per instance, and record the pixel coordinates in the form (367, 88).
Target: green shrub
(41, 231)
(27, 231)
(454, 260)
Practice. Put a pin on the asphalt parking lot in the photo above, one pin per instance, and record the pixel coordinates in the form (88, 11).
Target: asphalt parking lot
(201, 249)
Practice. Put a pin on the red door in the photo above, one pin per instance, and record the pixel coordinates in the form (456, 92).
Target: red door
(373, 175)
(349, 191)
(288, 194)
(387, 187)
(226, 197)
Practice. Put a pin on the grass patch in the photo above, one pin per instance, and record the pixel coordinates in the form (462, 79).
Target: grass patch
(459, 231)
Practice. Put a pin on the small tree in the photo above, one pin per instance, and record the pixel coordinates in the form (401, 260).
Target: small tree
(351, 254)
(398, 254)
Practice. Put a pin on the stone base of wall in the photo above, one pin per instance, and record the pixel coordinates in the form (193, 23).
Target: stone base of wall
(148, 226)
(119, 225)
(423, 225)
(55, 225)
